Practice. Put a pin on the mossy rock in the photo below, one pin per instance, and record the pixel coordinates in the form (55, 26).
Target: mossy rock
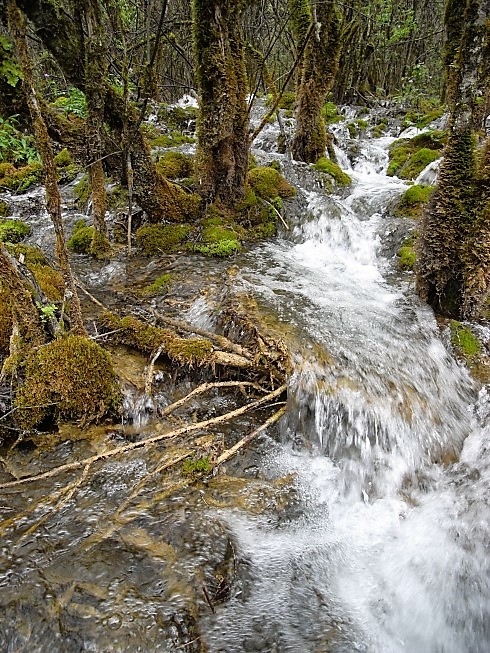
(63, 159)
(287, 101)
(13, 231)
(175, 165)
(178, 118)
(5, 320)
(268, 183)
(331, 168)
(222, 248)
(31, 255)
(159, 287)
(5, 210)
(408, 157)
(464, 341)
(20, 179)
(420, 119)
(171, 139)
(413, 201)
(50, 281)
(81, 238)
(71, 378)
(406, 254)
(158, 239)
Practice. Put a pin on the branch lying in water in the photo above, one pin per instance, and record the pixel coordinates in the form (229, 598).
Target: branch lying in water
(189, 428)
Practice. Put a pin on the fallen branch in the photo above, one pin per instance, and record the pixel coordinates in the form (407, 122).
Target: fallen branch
(226, 455)
(189, 428)
(286, 226)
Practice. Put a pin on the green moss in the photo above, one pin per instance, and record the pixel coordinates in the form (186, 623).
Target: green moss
(159, 287)
(334, 170)
(158, 239)
(196, 466)
(20, 179)
(117, 197)
(147, 338)
(71, 378)
(172, 139)
(413, 200)
(288, 100)
(81, 238)
(420, 119)
(175, 165)
(378, 130)
(178, 118)
(463, 340)
(406, 254)
(417, 162)
(82, 193)
(268, 183)
(330, 113)
(13, 231)
(63, 158)
(50, 281)
(408, 157)
(31, 255)
(221, 248)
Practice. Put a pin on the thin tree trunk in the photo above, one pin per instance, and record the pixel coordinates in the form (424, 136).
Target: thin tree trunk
(53, 199)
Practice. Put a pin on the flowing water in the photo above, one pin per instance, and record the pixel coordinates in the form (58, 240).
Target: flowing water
(384, 548)
(389, 551)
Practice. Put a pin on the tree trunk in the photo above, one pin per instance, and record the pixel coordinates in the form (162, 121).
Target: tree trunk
(53, 199)
(222, 127)
(453, 272)
(317, 74)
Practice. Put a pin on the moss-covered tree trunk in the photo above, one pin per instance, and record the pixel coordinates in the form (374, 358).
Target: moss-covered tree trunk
(453, 270)
(96, 67)
(316, 76)
(17, 25)
(223, 124)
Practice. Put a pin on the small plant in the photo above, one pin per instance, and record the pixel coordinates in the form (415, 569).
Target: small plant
(47, 311)
(331, 114)
(16, 146)
(74, 103)
(196, 466)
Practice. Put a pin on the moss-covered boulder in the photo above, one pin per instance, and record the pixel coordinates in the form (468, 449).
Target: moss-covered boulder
(20, 179)
(81, 238)
(13, 231)
(71, 378)
(175, 165)
(408, 157)
(332, 169)
(268, 182)
(413, 200)
(161, 239)
(406, 254)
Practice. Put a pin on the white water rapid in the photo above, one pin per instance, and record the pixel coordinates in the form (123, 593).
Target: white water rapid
(387, 549)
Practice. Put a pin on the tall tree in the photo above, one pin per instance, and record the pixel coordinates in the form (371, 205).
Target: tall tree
(316, 74)
(454, 245)
(223, 123)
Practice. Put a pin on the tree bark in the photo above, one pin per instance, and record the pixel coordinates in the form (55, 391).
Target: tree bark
(223, 123)
(317, 74)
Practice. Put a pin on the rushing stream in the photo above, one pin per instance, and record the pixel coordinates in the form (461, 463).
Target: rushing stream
(385, 547)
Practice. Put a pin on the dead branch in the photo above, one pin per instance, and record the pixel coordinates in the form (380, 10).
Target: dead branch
(188, 428)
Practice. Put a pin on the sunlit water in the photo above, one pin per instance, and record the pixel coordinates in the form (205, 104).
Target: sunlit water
(391, 450)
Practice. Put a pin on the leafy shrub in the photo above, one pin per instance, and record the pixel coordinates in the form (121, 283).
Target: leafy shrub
(16, 146)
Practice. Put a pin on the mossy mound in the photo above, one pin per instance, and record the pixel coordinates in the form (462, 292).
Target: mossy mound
(175, 165)
(408, 157)
(71, 378)
(161, 239)
(81, 238)
(331, 168)
(331, 114)
(180, 118)
(20, 179)
(406, 254)
(67, 169)
(267, 182)
(420, 119)
(464, 341)
(379, 129)
(13, 231)
(413, 201)
(170, 139)
(5, 210)
(220, 234)
(189, 352)
(159, 287)
(82, 193)
(287, 101)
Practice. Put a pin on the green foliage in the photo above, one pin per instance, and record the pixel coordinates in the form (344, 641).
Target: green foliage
(378, 130)
(47, 311)
(420, 119)
(74, 103)
(334, 170)
(196, 466)
(159, 287)
(13, 231)
(4, 209)
(19, 180)
(15, 146)
(413, 200)
(330, 113)
(175, 165)
(417, 162)
(81, 238)
(464, 341)
(117, 197)
(9, 68)
(158, 239)
(71, 378)
(268, 183)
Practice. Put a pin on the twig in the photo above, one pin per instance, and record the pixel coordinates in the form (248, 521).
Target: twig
(94, 299)
(189, 428)
(149, 376)
(226, 455)
(279, 215)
